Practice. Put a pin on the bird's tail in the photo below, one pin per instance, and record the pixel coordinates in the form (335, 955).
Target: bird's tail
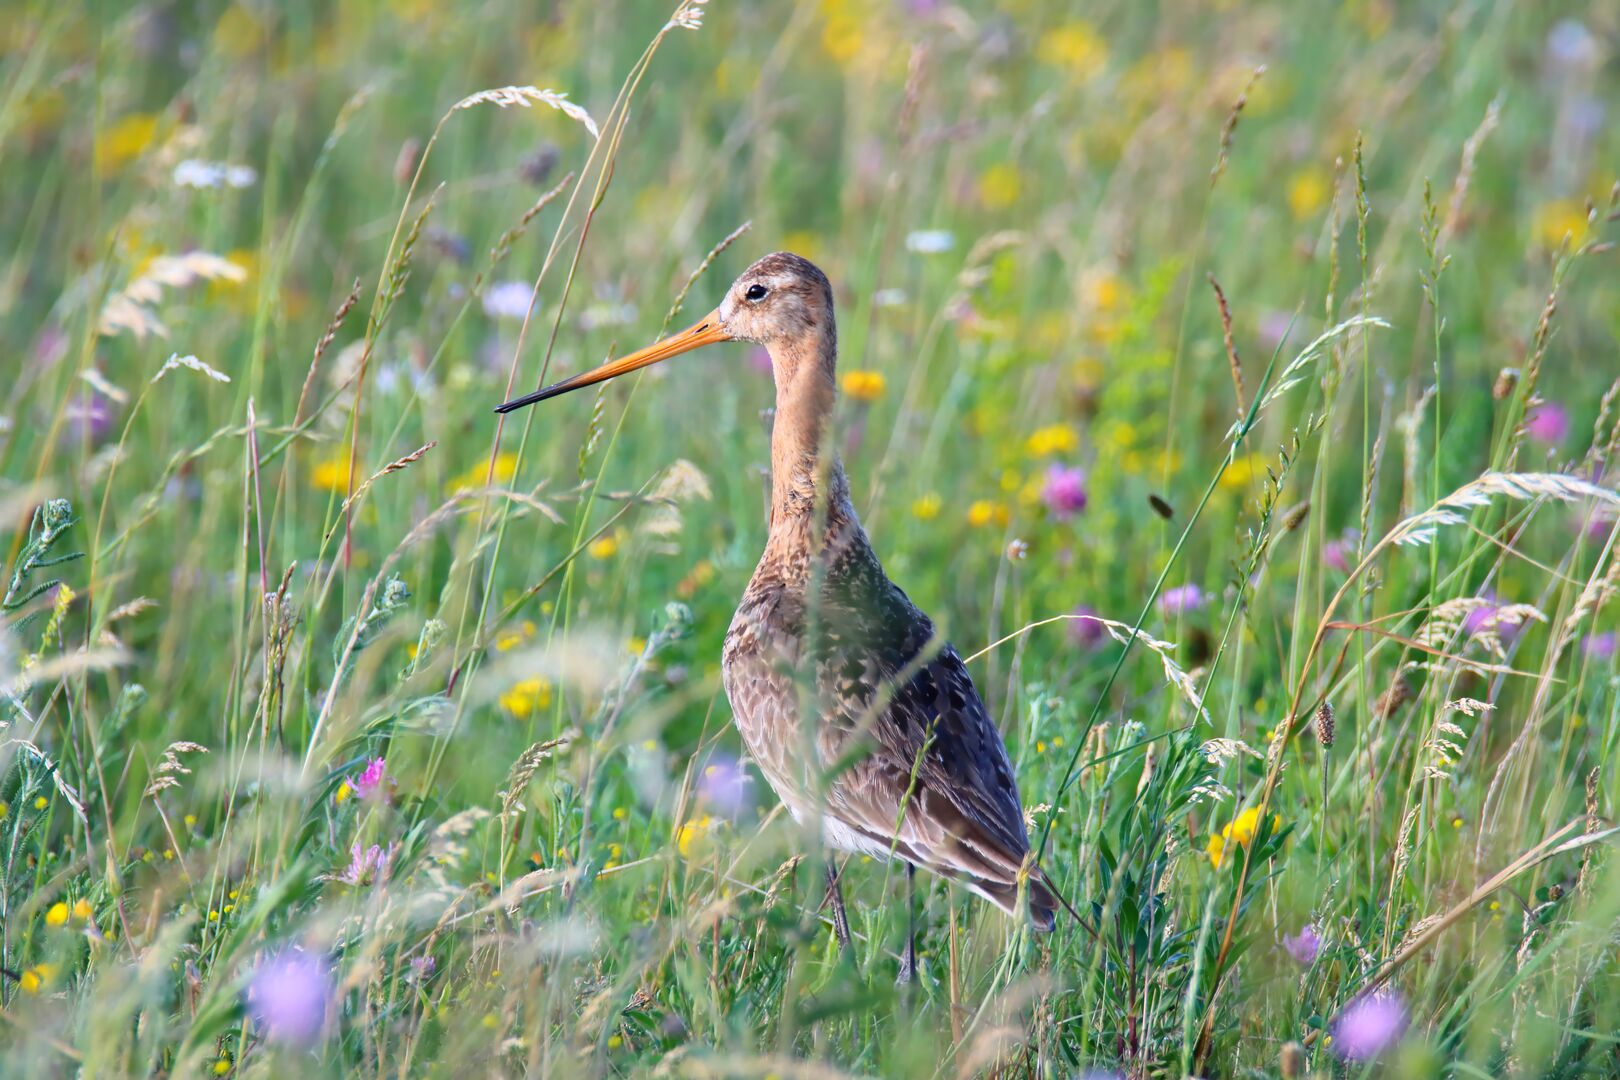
(1040, 899)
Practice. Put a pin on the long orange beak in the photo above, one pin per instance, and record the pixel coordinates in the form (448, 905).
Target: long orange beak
(704, 333)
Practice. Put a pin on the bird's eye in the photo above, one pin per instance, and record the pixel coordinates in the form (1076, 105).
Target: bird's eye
(755, 293)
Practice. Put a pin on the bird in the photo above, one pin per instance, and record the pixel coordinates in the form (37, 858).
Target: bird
(864, 721)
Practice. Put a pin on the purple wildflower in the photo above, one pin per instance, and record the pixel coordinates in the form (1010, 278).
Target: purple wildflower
(1601, 647)
(373, 781)
(1369, 1026)
(726, 786)
(1181, 600)
(290, 995)
(1338, 553)
(1547, 422)
(422, 968)
(367, 865)
(1084, 628)
(1303, 946)
(1064, 491)
(760, 361)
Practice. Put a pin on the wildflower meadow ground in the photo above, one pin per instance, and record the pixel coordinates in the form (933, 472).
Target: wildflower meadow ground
(1236, 383)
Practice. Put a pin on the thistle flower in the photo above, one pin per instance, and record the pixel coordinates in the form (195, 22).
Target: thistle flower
(1338, 553)
(1547, 422)
(1181, 600)
(1084, 628)
(1064, 491)
(1369, 1026)
(1304, 945)
(289, 995)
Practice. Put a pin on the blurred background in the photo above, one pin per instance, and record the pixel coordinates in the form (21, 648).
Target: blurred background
(418, 679)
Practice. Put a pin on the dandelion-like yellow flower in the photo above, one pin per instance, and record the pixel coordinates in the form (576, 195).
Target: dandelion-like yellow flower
(82, 910)
(1053, 439)
(41, 803)
(689, 838)
(927, 508)
(864, 385)
(528, 697)
(1242, 472)
(224, 1065)
(475, 475)
(331, 475)
(1558, 219)
(125, 140)
(999, 186)
(983, 512)
(1308, 191)
(603, 547)
(57, 915)
(344, 791)
(36, 978)
(1076, 47)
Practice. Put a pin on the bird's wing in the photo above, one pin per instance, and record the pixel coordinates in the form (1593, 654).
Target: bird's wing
(937, 778)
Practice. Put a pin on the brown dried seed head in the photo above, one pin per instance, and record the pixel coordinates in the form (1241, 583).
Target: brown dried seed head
(1399, 693)
(1295, 517)
(1507, 380)
(1324, 725)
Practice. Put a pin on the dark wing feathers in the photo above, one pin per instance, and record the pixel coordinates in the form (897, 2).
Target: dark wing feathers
(880, 672)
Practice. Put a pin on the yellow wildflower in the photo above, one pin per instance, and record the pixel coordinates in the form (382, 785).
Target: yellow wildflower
(620, 813)
(1076, 47)
(224, 1065)
(688, 839)
(41, 803)
(924, 509)
(1308, 191)
(1558, 219)
(475, 476)
(604, 547)
(864, 385)
(983, 512)
(58, 915)
(999, 186)
(34, 979)
(82, 910)
(528, 697)
(1242, 472)
(1242, 829)
(1053, 439)
(332, 475)
(343, 792)
(125, 140)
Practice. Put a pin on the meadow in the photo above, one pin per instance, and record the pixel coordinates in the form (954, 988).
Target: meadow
(1236, 384)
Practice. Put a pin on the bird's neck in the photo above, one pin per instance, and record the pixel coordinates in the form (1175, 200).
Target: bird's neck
(808, 486)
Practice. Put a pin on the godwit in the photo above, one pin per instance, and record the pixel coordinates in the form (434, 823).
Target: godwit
(861, 719)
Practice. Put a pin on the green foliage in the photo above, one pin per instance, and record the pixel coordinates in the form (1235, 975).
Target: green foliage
(348, 669)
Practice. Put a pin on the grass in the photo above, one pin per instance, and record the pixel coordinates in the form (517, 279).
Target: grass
(352, 732)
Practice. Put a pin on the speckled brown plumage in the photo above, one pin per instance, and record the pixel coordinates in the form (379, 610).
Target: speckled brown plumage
(857, 714)
(864, 722)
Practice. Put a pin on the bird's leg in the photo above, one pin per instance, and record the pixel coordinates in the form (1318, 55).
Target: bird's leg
(908, 960)
(835, 897)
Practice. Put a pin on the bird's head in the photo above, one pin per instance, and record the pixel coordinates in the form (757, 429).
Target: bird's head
(781, 299)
